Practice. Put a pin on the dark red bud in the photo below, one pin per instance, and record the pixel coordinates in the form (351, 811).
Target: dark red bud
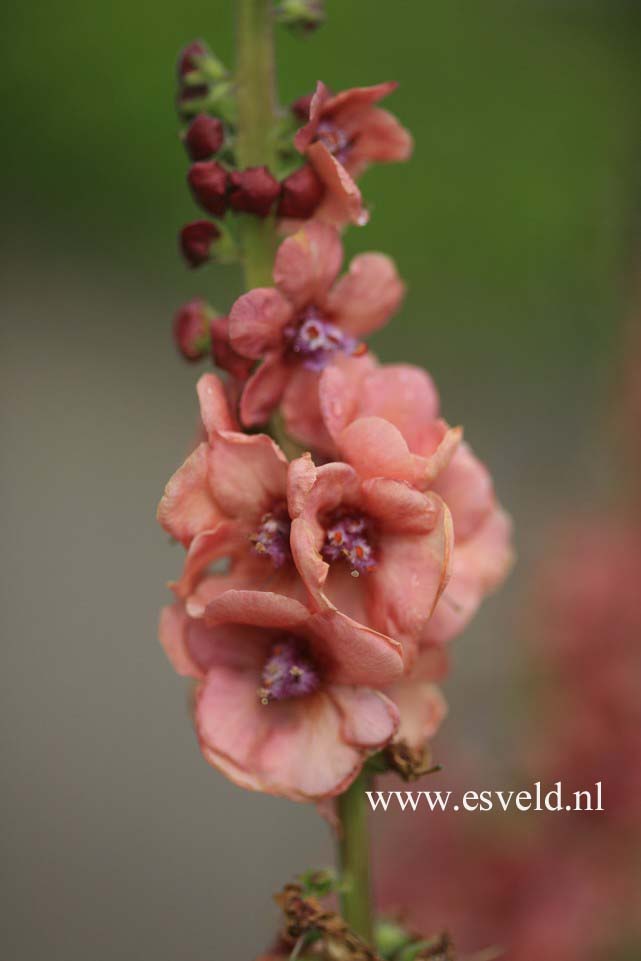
(191, 330)
(208, 182)
(302, 192)
(204, 137)
(186, 62)
(196, 239)
(254, 190)
(223, 354)
(300, 107)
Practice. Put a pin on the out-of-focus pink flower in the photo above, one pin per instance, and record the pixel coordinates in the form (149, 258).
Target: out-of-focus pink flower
(370, 545)
(343, 135)
(385, 420)
(229, 500)
(308, 319)
(191, 329)
(287, 701)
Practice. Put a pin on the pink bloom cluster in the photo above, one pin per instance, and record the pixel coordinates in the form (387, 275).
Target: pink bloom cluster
(317, 592)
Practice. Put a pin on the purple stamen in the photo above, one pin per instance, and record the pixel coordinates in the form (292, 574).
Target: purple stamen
(272, 537)
(348, 538)
(288, 672)
(335, 139)
(315, 340)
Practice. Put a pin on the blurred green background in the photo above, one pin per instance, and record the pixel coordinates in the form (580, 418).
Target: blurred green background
(516, 225)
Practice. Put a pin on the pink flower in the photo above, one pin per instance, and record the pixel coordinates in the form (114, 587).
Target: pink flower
(287, 700)
(370, 545)
(384, 421)
(309, 318)
(344, 134)
(229, 500)
(421, 705)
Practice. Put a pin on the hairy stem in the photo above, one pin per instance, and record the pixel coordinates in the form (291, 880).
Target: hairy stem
(356, 906)
(255, 78)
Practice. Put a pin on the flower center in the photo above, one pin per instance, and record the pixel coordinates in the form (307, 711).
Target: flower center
(334, 138)
(348, 537)
(271, 540)
(315, 340)
(288, 672)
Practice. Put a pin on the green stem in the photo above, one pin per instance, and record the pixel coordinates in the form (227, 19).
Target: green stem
(356, 898)
(255, 78)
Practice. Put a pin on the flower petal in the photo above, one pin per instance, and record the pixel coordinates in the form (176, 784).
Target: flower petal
(398, 507)
(223, 541)
(354, 654)
(301, 477)
(466, 487)
(256, 322)
(263, 391)
(402, 394)
(307, 264)
(301, 410)
(342, 203)
(263, 609)
(375, 448)
(366, 297)
(188, 506)
(347, 104)
(172, 631)
(214, 406)
(248, 473)
(410, 576)
(370, 719)
(380, 138)
(422, 709)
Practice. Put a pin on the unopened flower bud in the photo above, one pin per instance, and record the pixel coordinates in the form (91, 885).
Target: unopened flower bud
(192, 333)
(300, 107)
(254, 190)
(303, 15)
(187, 58)
(208, 182)
(196, 239)
(223, 354)
(204, 137)
(302, 192)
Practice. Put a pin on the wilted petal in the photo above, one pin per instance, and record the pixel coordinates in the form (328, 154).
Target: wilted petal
(263, 609)
(343, 202)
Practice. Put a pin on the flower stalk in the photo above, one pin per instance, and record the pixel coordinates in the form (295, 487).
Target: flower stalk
(356, 901)
(256, 101)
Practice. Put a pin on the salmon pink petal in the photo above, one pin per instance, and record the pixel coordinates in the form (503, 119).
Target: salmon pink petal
(223, 541)
(370, 719)
(479, 565)
(339, 392)
(432, 663)
(214, 406)
(347, 104)
(367, 296)
(380, 138)
(304, 757)
(248, 473)
(402, 394)
(263, 391)
(307, 133)
(172, 631)
(422, 708)
(375, 448)
(188, 506)
(466, 486)
(343, 202)
(354, 654)
(431, 467)
(410, 576)
(263, 609)
(301, 477)
(257, 320)
(398, 507)
(307, 264)
(301, 410)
